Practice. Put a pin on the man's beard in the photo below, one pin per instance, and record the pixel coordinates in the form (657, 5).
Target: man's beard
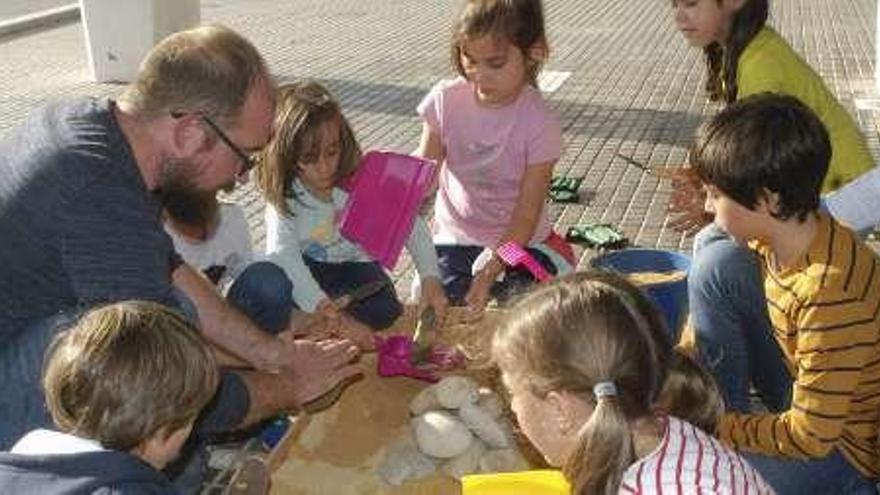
(182, 199)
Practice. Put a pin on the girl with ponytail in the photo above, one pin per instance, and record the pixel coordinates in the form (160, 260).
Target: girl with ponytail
(597, 387)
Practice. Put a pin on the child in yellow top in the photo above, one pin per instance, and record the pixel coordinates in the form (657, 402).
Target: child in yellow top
(743, 57)
(799, 318)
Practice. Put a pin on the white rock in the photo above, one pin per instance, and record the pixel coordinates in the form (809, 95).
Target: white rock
(453, 391)
(494, 431)
(425, 401)
(440, 434)
(467, 462)
(490, 402)
(421, 466)
(403, 461)
(502, 461)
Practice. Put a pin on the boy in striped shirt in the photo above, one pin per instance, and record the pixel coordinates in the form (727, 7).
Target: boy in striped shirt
(807, 339)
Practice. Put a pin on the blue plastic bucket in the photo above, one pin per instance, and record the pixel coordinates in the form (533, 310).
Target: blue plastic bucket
(670, 297)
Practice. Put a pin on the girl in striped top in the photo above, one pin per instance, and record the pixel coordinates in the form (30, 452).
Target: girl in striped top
(597, 387)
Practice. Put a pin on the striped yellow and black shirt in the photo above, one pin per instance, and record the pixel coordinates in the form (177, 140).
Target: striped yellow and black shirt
(824, 312)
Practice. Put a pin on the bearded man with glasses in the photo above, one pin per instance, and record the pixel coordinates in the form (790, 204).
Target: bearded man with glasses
(82, 184)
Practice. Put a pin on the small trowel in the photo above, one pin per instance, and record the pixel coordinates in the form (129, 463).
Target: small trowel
(424, 336)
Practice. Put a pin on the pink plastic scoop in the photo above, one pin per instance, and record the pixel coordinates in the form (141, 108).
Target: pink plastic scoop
(395, 359)
(513, 254)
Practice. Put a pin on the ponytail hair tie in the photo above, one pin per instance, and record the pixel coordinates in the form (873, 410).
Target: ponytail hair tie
(604, 389)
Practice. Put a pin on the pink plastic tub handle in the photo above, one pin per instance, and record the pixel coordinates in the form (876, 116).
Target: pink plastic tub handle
(513, 254)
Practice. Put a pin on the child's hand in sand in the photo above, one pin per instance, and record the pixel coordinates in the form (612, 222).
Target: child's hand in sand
(433, 295)
(313, 326)
(357, 332)
(478, 295)
(329, 323)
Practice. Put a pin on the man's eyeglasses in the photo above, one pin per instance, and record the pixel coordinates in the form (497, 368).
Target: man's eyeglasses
(248, 161)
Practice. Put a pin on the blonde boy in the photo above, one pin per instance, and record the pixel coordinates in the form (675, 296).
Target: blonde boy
(124, 387)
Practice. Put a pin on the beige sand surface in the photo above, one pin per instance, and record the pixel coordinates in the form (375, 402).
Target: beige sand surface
(338, 449)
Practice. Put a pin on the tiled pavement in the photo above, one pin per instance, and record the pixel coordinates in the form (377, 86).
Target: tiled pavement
(634, 85)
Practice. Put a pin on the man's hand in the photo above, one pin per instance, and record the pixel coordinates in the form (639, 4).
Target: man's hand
(687, 204)
(315, 368)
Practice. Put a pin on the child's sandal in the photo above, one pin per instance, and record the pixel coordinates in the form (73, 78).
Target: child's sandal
(565, 189)
(597, 236)
(565, 197)
(563, 183)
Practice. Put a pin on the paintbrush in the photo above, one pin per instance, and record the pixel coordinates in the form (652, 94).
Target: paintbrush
(670, 173)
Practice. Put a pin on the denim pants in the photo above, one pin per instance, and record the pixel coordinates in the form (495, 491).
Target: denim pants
(455, 262)
(729, 311)
(736, 344)
(378, 311)
(264, 293)
(829, 475)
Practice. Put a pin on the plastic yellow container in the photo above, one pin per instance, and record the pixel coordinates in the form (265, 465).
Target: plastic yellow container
(538, 482)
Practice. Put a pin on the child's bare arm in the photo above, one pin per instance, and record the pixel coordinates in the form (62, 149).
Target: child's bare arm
(829, 366)
(431, 148)
(520, 229)
(430, 145)
(529, 203)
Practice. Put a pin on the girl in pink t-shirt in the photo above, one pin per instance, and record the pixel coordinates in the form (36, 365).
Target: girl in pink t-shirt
(597, 387)
(497, 142)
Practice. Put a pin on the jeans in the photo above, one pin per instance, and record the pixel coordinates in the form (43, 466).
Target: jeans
(736, 344)
(263, 292)
(378, 311)
(455, 262)
(831, 474)
(732, 327)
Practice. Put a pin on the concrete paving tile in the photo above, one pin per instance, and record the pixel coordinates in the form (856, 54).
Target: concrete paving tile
(634, 85)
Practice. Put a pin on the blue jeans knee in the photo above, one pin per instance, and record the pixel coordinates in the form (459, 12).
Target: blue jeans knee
(831, 474)
(732, 327)
(263, 292)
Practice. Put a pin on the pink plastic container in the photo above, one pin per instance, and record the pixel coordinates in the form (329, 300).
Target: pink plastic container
(384, 199)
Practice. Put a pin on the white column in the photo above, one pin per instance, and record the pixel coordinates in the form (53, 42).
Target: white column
(120, 32)
(877, 49)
